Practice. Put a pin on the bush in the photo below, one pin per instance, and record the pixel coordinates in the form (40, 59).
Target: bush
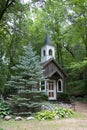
(45, 115)
(4, 109)
(44, 96)
(82, 99)
(64, 97)
(63, 112)
(57, 112)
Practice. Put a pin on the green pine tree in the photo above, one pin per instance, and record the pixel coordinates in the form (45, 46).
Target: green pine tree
(27, 75)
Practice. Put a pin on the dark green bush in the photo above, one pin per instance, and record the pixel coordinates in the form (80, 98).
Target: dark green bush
(4, 109)
(64, 97)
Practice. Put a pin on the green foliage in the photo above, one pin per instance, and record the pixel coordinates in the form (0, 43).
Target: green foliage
(3, 76)
(79, 67)
(77, 87)
(11, 39)
(63, 112)
(65, 21)
(45, 115)
(44, 96)
(57, 112)
(82, 99)
(27, 75)
(64, 97)
(27, 102)
(77, 84)
(4, 109)
(1, 129)
(27, 72)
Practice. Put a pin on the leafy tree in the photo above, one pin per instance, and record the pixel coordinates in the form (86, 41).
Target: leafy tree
(76, 43)
(54, 20)
(50, 19)
(10, 6)
(77, 34)
(77, 84)
(12, 30)
(28, 74)
(64, 20)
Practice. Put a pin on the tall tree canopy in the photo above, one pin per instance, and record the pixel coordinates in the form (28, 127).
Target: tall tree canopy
(64, 20)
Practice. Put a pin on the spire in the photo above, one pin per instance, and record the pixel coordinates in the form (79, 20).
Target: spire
(47, 40)
(47, 50)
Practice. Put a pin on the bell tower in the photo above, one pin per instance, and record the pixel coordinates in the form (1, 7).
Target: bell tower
(47, 50)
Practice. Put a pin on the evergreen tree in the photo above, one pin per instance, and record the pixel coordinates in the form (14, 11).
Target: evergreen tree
(28, 74)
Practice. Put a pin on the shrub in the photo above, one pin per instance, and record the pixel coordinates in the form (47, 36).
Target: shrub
(82, 99)
(63, 112)
(44, 96)
(57, 112)
(45, 115)
(64, 97)
(4, 109)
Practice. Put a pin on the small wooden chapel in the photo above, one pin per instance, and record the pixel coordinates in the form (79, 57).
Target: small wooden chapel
(53, 72)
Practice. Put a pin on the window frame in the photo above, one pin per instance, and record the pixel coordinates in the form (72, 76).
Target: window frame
(61, 85)
(41, 85)
(44, 52)
(50, 52)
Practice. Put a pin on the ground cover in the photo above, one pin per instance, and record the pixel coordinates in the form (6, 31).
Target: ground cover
(64, 124)
(77, 122)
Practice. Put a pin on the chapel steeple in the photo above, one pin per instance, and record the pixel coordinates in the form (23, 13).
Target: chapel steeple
(47, 40)
(47, 50)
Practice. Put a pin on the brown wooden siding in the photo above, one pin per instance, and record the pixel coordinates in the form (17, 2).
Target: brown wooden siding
(50, 68)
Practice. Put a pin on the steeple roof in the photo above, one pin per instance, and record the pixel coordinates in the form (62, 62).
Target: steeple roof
(47, 40)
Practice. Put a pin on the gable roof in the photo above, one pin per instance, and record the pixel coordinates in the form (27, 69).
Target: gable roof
(57, 65)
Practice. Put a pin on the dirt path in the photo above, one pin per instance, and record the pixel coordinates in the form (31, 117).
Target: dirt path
(81, 107)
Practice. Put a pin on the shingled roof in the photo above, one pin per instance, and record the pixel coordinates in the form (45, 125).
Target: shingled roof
(47, 40)
(58, 66)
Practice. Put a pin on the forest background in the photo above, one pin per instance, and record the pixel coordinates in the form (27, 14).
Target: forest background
(28, 22)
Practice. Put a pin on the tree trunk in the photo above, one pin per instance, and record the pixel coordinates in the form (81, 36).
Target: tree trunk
(4, 7)
(59, 54)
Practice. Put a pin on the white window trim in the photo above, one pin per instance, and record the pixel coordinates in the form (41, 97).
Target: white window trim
(54, 83)
(61, 85)
(44, 88)
(44, 53)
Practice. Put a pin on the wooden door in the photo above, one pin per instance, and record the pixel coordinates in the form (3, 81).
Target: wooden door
(51, 90)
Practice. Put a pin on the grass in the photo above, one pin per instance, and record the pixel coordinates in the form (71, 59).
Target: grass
(78, 122)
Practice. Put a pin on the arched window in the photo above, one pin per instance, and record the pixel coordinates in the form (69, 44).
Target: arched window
(50, 52)
(44, 53)
(60, 85)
